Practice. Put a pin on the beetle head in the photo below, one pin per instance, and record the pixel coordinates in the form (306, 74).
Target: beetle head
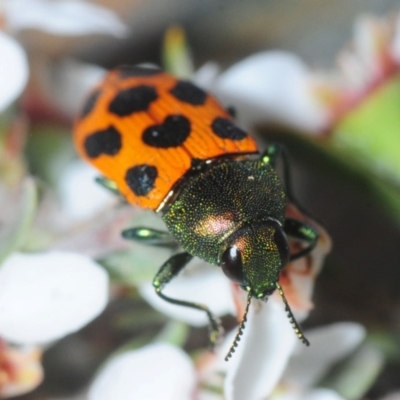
(254, 256)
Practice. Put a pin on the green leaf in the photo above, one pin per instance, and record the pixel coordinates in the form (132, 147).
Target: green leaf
(175, 333)
(369, 133)
(49, 150)
(387, 342)
(176, 53)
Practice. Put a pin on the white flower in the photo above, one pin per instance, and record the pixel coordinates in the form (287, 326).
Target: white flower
(43, 297)
(13, 70)
(272, 86)
(258, 363)
(158, 371)
(81, 197)
(276, 86)
(46, 296)
(203, 284)
(64, 17)
(279, 367)
(268, 340)
(269, 368)
(67, 83)
(206, 75)
(329, 345)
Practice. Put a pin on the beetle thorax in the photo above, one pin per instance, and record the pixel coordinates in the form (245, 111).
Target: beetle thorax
(219, 201)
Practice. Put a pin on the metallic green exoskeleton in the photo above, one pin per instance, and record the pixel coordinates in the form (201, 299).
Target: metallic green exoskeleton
(231, 213)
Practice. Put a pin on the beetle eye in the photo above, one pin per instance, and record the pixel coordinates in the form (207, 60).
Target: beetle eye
(231, 263)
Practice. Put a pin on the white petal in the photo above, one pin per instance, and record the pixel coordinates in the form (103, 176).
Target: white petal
(395, 45)
(81, 197)
(298, 394)
(209, 395)
(353, 70)
(155, 372)
(46, 296)
(322, 394)
(206, 75)
(366, 46)
(209, 287)
(262, 354)
(63, 17)
(274, 86)
(14, 70)
(71, 82)
(328, 345)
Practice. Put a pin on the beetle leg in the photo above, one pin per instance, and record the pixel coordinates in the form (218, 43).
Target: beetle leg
(231, 111)
(271, 156)
(302, 232)
(296, 229)
(150, 236)
(108, 184)
(169, 270)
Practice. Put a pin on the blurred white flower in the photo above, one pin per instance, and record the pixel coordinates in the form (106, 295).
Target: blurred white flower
(14, 70)
(64, 17)
(276, 86)
(268, 340)
(307, 366)
(258, 363)
(270, 363)
(45, 296)
(68, 83)
(206, 75)
(271, 86)
(369, 62)
(158, 371)
(373, 55)
(279, 367)
(200, 283)
(81, 197)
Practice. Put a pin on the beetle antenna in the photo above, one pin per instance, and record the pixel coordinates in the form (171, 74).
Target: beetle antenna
(290, 315)
(240, 329)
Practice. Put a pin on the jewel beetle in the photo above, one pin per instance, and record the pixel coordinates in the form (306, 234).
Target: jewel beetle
(169, 146)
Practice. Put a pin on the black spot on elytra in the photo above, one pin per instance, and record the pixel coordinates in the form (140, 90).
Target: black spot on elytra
(128, 71)
(90, 103)
(141, 178)
(107, 141)
(132, 100)
(226, 129)
(171, 133)
(189, 93)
